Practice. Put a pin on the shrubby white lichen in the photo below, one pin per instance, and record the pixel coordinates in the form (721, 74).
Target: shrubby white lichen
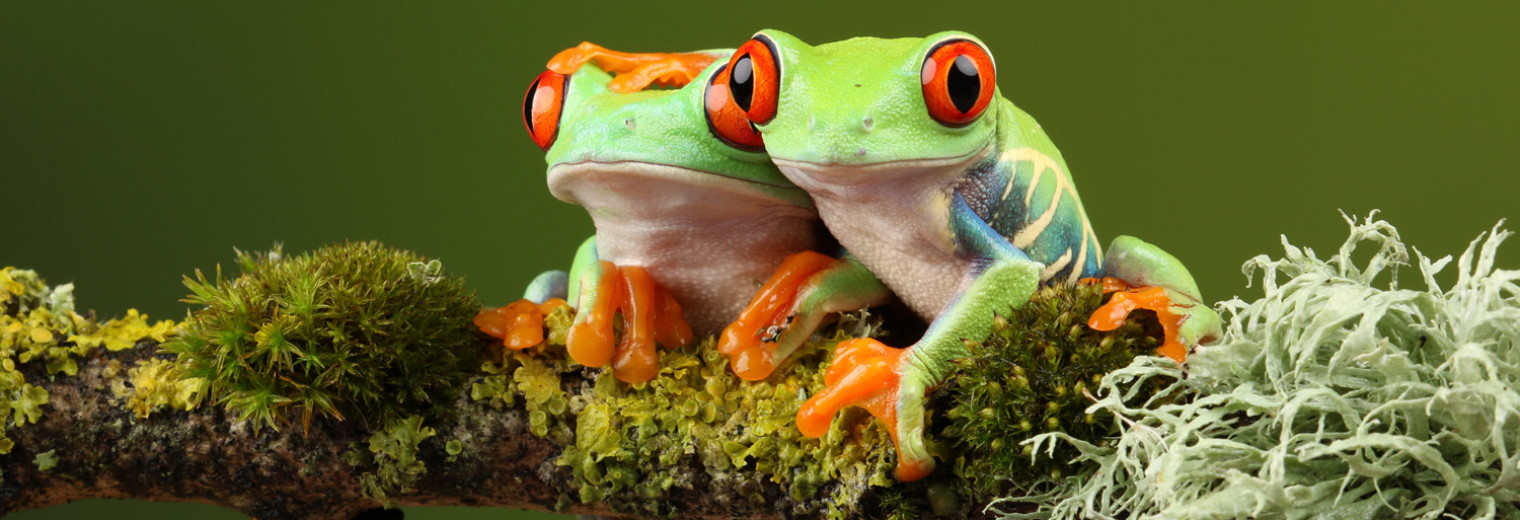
(1335, 395)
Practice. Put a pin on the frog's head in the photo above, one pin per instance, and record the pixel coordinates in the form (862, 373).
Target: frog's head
(664, 134)
(866, 104)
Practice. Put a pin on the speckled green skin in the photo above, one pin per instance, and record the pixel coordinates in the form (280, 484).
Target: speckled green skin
(960, 222)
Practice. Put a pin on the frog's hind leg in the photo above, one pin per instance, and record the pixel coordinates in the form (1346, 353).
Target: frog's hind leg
(636, 71)
(1143, 276)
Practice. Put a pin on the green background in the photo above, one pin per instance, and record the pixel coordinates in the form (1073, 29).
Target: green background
(142, 140)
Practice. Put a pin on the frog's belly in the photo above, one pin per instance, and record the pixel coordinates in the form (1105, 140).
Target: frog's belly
(711, 241)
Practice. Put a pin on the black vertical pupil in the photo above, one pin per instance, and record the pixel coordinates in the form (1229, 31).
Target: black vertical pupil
(741, 82)
(528, 103)
(964, 83)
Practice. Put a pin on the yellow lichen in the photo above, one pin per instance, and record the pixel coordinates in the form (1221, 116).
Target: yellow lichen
(158, 383)
(38, 324)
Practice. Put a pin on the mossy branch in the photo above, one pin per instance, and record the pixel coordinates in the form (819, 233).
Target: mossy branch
(242, 407)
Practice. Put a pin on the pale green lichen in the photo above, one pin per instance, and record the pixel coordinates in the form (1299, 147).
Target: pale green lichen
(38, 324)
(45, 460)
(393, 452)
(1332, 396)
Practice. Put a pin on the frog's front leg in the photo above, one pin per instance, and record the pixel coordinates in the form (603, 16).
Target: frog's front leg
(784, 313)
(892, 383)
(1143, 276)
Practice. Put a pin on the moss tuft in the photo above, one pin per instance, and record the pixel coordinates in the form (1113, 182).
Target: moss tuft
(1034, 375)
(355, 329)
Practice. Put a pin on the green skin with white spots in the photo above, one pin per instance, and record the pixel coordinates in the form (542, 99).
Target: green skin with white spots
(959, 222)
(709, 222)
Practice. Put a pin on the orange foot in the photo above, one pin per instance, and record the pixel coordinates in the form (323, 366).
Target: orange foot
(650, 315)
(1127, 299)
(520, 324)
(749, 341)
(635, 71)
(867, 374)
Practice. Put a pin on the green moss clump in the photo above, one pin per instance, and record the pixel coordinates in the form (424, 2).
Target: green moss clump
(1035, 375)
(356, 329)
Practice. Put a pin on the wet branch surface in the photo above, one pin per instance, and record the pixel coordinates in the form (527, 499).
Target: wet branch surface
(209, 456)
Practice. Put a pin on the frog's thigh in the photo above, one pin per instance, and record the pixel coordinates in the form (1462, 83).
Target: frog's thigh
(1142, 264)
(584, 271)
(548, 284)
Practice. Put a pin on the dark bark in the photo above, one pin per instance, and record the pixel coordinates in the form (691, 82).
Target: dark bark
(209, 456)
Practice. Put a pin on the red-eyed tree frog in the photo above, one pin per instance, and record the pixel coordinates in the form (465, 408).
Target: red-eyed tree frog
(949, 194)
(689, 213)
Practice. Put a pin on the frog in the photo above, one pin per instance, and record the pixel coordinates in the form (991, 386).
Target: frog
(690, 214)
(951, 196)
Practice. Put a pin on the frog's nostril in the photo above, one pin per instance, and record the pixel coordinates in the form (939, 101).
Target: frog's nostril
(861, 152)
(629, 123)
(867, 123)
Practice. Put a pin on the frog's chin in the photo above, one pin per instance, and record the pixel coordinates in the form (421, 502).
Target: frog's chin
(813, 175)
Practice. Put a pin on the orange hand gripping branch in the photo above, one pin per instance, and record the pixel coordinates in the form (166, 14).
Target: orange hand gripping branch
(749, 354)
(635, 71)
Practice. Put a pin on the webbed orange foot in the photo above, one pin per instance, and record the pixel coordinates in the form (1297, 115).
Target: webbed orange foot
(519, 325)
(635, 71)
(1126, 299)
(650, 316)
(749, 341)
(870, 375)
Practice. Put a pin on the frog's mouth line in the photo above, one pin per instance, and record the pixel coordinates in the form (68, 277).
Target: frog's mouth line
(839, 173)
(628, 182)
(653, 170)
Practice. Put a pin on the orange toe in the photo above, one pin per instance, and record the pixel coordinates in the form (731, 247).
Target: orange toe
(520, 324)
(749, 354)
(1126, 300)
(635, 360)
(590, 341)
(670, 327)
(864, 373)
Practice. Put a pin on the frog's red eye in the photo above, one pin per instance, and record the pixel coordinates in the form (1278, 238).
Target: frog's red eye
(959, 82)
(754, 79)
(726, 119)
(542, 105)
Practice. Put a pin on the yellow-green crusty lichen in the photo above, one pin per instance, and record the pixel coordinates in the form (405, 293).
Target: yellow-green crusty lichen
(38, 325)
(157, 383)
(393, 452)
(633, 443)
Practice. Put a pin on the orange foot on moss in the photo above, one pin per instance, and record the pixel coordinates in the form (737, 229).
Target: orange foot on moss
(868, 374)
(520, 324)
(1126, 299)
(635, 71)
(745, 341)
(650, 316)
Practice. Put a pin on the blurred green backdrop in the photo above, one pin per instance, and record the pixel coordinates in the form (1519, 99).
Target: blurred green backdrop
(142, 140)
